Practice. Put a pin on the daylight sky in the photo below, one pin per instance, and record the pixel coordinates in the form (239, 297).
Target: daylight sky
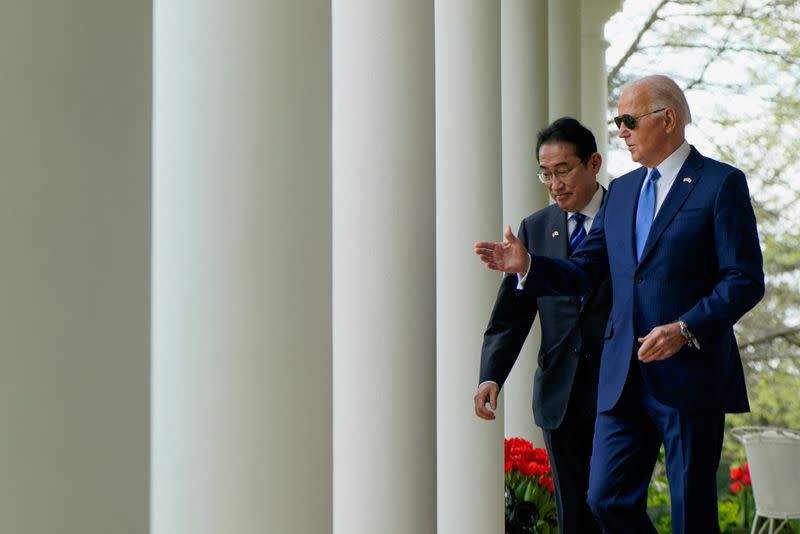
(621, 31)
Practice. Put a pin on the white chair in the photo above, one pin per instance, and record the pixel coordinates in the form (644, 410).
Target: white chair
(773, 455)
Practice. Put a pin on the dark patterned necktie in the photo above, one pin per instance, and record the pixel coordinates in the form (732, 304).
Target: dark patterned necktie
(579, 233)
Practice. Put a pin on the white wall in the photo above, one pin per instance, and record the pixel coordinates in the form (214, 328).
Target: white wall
(74, 266)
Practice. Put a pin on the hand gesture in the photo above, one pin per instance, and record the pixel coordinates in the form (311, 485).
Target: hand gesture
(510, 256)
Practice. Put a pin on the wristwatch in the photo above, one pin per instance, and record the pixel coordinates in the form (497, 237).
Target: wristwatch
(685, 332)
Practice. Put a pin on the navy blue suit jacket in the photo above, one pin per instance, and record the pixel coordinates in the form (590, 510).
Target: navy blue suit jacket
(571, 330)
(701, 263)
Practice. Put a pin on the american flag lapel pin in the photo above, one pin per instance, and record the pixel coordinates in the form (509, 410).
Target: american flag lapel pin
(688, 179)
(554, 234)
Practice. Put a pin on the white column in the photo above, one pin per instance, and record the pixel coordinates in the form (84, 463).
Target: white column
(524, 82)
(384, 359)
(564, 58)
(241, 263)
(74, 275)
(468, 202)
(594, 88)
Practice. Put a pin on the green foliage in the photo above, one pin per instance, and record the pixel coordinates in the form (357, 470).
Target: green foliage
(735, 511)
(658, 501)
(728, 511)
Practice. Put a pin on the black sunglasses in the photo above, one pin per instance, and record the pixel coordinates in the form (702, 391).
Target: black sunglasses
(630, 121)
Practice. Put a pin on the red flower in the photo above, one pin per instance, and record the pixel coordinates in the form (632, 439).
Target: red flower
(533, 469)
(517, 451)
(736, 473)
(746, 474)
(540, 455)
(528, 477)
(736, 487)
(741, 474)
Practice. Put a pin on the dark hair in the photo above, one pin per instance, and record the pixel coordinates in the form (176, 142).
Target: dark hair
(568, 130)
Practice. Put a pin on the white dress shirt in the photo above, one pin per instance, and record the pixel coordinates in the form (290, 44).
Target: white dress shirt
(669, 169)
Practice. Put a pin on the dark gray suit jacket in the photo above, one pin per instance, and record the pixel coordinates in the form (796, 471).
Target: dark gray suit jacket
(571, 330)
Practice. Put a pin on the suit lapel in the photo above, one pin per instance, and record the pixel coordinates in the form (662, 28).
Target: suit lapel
(556, 240)
(687, 178)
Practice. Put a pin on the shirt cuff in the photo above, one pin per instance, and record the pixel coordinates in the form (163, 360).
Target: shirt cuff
(521, 278)
(487, 382)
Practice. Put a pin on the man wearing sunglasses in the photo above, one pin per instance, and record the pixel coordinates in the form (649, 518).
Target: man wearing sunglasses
(565, 384)
(678, 237)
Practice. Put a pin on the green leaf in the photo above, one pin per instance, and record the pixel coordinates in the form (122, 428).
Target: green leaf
(530, 491)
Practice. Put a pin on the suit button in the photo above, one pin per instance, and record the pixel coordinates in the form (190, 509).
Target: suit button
(576, 350)
(639, 279)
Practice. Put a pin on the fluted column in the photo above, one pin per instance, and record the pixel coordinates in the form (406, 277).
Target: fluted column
(241, 261)
(384, 358)
(564, 53)
(594, 89)
(524, 89)
(75, 103)
(468, 202)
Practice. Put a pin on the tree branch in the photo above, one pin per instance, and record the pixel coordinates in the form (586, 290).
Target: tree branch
(783, 332)
(718, 51)
(764, 51)
(614, 72)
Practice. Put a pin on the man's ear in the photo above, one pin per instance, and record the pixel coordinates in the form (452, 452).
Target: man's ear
(670, 120)
(595, 162)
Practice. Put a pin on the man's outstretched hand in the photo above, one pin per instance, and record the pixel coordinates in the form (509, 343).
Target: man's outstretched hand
(510, 256)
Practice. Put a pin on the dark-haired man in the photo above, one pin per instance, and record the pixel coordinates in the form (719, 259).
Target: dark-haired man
(565, 385)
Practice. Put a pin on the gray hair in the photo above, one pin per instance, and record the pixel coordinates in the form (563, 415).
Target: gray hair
(664, 93)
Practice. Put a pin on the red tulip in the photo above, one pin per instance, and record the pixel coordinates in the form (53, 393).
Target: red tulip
(736, 473)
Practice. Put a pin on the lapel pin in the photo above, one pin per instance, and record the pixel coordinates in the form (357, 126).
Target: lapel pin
(688, 179)
(554, 234)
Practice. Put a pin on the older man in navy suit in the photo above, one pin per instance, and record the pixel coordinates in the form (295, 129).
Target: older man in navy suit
(565, 384)
(678, 237)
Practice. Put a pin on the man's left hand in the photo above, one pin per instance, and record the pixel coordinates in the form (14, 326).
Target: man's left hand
(661, 343)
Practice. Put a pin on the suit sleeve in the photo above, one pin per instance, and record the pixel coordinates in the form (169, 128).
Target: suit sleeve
(509, 325)
(585, 269)
(741, 275)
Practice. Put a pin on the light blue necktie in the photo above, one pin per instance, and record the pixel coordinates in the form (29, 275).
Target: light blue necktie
(646, 211)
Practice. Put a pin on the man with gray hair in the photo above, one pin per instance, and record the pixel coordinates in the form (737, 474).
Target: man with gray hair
(678, 237)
